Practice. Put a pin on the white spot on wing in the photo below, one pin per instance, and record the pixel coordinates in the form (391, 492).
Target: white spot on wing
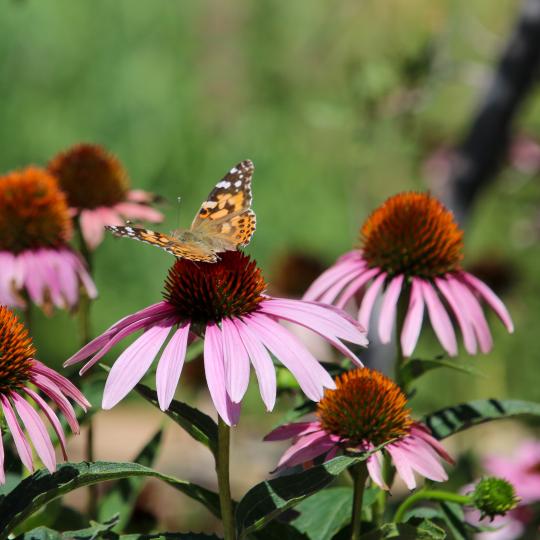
(223, 184)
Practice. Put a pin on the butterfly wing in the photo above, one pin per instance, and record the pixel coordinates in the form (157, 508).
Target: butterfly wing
(226, 215)
(185, 250)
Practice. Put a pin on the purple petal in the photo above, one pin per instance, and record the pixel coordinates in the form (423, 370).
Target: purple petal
(311, 376)
(413, 320)
(215, 376)
(334, 273)
(459, 312)
(23, 448)
(37, 431)
(388, 308)
(170, 366)
(264, 368)
(355, 286)
(402, 465)
(289, 431)
(491, 298)
(51, 416)
(439, 319)
(236, 361)
(133, 363)
(473, 312)
(332, 292)
(364, 313)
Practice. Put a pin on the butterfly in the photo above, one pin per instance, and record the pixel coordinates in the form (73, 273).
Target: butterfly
(224, 222)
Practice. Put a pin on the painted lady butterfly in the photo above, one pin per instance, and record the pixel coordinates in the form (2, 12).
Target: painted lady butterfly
(224, 222)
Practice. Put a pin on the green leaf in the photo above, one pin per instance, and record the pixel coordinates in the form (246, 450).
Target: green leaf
(122, 497)
(455, 520)
(43, 487)
(427, 530)
(416, 367)
(169, 536)
(199, 425)
(450, 420)
(267, 500)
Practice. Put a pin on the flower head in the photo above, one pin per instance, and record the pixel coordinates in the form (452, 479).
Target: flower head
(223, 303)
(35, 227)
(97, 188)
(411, 251)
(494, 497)
(20, 373)
(364, 411)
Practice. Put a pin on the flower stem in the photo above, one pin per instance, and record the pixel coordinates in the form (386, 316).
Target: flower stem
(359, 473)
(224, 487)
(429, 495)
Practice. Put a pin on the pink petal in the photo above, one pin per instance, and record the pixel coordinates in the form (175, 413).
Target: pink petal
(305, 449)
(419, 430)
(473, 312)
(334, 273)
(133, 363)
(491, 298)
(37, 431)
(311, 376)
(459, 312)
(295, 429)
(215, 376)
(140, 196)
(92, 227)
(413, 320)
(2, 472)
(402, 465)
(355, 286)
(170, 366)
(332, 292)
(364, 313)
(236, 361)
(388, 309)
(439, 319)
(374, 466)
(8, 280)
(264, 368)
(23, 448)
(51, 416)
(132, 210)
(421, 460)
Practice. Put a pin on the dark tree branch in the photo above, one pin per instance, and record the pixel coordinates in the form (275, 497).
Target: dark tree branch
(485, 145)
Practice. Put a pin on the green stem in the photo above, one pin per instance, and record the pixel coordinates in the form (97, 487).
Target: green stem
(224, 487)
(360, 474)
(429, 495)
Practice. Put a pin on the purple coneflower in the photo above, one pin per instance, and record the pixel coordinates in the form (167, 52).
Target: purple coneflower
(35, 259)
(97, 187)
(411, 248)
(20, 373)
(365, 410)
(225, 303)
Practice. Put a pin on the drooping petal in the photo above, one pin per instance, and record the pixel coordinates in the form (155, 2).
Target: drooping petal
(419, 430)
(23, 448)
(374, 467)
(402, 465)
(2, 471)
(311, 376)
(236, 361)
(332, 292)
(262, 363)
(491, 298)
(474, 313)
(442, 325)
(8, 281)
(364, 313)
(215, 376)
(413, 320)
(51, 416)
(305, 449)
(133, 363)
(92, 227)
(355, 285)
(289, 431)
(389, 308)
(170, 366)
(36, 430)
(459, 312)
(420, 459)
(132, 210)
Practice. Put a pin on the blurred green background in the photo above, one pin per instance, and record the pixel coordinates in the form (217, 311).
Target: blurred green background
(338, 104)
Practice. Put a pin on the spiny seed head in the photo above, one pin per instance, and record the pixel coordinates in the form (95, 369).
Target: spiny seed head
(412, 234)
(494, 497)
(16, 351)
(33, 211)
(209, 292)
(90, 176)
(366, 406)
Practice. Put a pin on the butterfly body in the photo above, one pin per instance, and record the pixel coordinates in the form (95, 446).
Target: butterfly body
(224, 222)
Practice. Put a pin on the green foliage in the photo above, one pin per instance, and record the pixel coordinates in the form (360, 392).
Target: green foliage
(426, 530)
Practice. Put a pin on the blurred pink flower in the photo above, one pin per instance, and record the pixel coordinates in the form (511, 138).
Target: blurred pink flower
(97, 188)
(224, 303)
(19, 371)
(412, 248)
(35, 259)
(356, 406)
